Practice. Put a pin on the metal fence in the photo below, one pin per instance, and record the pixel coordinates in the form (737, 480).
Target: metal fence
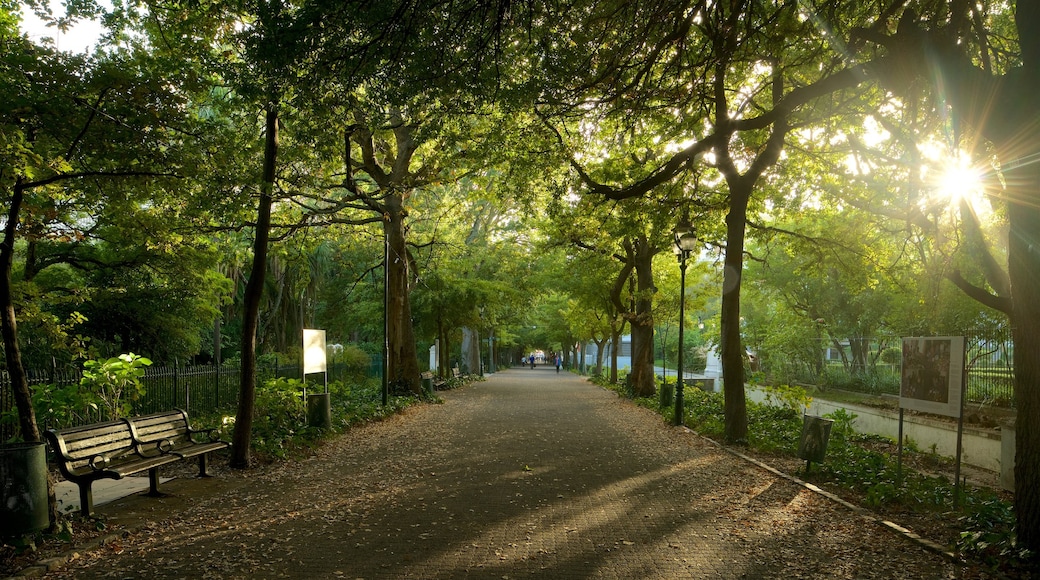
(990, 370)
(198, 389)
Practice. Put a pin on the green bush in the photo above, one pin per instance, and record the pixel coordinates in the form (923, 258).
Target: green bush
(279, 417)
(774, 427)
(881, 380)
(989, 532)
(790, 397)
(280, 414)
(356, 361)
(851, 464)
(60, 407)
(116, 382)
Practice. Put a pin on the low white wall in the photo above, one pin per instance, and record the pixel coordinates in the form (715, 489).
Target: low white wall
(981, 447)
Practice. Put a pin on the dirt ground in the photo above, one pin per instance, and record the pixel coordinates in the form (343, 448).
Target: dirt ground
(530, 474)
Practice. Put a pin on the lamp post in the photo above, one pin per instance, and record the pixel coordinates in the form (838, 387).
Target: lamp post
(685, 242)
(386, 319)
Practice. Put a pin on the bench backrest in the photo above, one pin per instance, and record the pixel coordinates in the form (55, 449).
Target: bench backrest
(169, 426)
(77, 446)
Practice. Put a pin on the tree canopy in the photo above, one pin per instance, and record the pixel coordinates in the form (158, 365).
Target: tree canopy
(515, 171)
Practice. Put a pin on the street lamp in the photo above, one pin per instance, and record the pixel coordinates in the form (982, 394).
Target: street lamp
(685, 242)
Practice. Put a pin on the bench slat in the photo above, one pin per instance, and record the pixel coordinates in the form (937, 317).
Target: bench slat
(125, 447)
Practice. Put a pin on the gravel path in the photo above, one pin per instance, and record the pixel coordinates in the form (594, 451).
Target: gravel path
(531, 474)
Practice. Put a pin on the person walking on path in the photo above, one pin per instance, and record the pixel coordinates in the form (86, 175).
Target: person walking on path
(558, 363)
(522, 476)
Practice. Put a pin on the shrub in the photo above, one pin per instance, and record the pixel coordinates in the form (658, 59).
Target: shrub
(280, 421)
(116, 382)
(355, 361)
(60, 406)
(790, 397)
(852, 464)
(278, 416)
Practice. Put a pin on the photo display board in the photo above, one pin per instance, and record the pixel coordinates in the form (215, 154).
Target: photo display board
(933, 375)
(313, 351)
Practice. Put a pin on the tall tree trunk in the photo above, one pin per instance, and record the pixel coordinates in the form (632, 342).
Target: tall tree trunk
(1018, 141)
(403, 363)
(12, 352)
(251, 301)
(732, 351)
(27, 425)
(644, 383)
(1024, 271)
(470, 350)
(600, 344)
(615, 346)
(860, 347)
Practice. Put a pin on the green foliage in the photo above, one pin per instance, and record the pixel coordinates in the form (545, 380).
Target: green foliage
(59, 406)
(280, 423)
(774, 427)
(116, 382)
(279, 416)
(892, 355)
(791, 397)
(989, 532)
(876, 381)
(853, 463)
(704, 411)
(64, 406)
(356, 360)
(842, 426)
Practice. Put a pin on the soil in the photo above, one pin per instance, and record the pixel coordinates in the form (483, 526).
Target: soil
(117, 519)
(129, 526)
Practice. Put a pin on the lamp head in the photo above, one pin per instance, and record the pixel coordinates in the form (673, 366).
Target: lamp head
(684, 237)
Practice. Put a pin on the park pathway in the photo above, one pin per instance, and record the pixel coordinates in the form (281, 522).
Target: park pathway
(531, 474)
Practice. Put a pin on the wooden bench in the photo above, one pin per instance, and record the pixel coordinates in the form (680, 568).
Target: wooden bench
(116, 449)
(437, 381)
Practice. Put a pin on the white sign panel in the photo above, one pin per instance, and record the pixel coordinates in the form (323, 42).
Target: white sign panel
(933, 375)
(313, 351)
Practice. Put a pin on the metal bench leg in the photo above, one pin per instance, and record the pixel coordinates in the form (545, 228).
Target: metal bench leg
(153, 482)
(86, 499)
(202, 465)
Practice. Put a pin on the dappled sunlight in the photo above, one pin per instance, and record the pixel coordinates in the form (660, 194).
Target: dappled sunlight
(590, 520)
(527, 474)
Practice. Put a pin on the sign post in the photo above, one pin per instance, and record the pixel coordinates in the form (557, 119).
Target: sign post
(319, 407)
(933, 381)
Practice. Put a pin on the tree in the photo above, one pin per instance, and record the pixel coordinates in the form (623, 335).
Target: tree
(993, 99)
(695, 92)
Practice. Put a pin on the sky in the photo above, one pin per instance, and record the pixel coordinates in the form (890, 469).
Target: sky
(79, 38)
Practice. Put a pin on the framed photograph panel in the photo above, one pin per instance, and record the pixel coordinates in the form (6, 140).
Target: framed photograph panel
(933, 375)
(313, 351)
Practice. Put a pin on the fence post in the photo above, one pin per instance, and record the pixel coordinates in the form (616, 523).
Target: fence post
(176, 383)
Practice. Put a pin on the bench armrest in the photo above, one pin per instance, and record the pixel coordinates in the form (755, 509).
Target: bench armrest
(164, 446)
(99, 462)
(211, 434)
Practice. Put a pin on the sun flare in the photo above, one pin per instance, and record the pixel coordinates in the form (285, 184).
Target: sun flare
(955, 179)
(958, 180)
